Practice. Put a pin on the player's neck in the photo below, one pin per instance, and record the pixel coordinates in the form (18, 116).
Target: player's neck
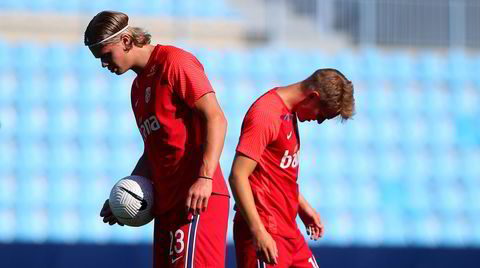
(291, 95)
(141, 56)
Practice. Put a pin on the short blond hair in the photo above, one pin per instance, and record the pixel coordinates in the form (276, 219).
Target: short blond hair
(335, 91)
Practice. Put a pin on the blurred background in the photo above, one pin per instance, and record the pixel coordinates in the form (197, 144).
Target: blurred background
(398, 186)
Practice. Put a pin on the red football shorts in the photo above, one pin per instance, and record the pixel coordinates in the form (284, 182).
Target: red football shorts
(187, 241)
(292, 252)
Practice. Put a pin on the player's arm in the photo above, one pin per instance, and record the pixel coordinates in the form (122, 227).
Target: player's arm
(242, 192)
(142, 168)
(216, 126)
(310, 218)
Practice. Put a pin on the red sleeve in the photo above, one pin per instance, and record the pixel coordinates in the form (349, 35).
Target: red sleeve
(187, 76)
(259, 129)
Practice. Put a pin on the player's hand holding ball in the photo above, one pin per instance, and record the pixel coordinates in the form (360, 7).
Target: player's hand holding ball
(198, 195)
(107, 214)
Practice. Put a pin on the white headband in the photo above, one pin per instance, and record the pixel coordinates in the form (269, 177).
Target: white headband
(110, 37)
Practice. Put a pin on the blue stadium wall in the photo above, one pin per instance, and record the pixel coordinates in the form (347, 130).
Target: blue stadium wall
(123, 256)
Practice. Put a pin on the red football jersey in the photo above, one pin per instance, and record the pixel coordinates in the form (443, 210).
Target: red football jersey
(269, 136)
(163, 99)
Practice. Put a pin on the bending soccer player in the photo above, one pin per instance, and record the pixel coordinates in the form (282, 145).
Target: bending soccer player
(264, 173)
(183, 129)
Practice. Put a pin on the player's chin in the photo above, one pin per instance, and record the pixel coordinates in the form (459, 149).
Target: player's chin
(119, 72)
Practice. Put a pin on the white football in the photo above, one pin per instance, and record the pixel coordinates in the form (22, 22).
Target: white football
(131, 200)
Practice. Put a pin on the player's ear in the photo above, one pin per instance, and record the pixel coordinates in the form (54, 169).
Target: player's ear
(313, 94)
(127, 42)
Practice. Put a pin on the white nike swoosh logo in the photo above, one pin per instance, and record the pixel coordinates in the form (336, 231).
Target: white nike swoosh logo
(289, 135)
(176, 259)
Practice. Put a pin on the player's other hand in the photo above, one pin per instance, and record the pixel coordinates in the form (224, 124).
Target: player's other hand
(265, 246)
(107, 215)
(198, 195)
(312, 221)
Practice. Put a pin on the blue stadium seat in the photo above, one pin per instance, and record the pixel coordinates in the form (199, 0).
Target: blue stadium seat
(32, 189)
(430, 68)
(446, 164)
(341, 225)
(317, 60)
(7, 228)
(459, 232)
(63, 126)
(427, 230)
(474, 70)
(185, 8)
(418, 198)
(31, 156)
(290, 65)
(8, 186)
(158, 7)
(468, 166)
(442, 134)
(93, 158)
(122, 160)
(347, 63)
(387, 135)
(70, 6)
(92, 228)
(396, 227)
(410, 103)
(210, 8)
(436, 101)
(372, 62)
(8, 155)
(63, 225)
(28, 58)
(6, 60)
(94, 188)
(85, 64)
(451, 199)
(361, 164)
(63, 191)
(233, 64)
(97, 6)
(192, 8)
(117, 96)
(8, 94)
(63, 93)
(58, 59)
(261, 65)
(372, 228)
(27, 232)
(457, 68)
(30, 91)
(13, 5)
(39, 6)
(380, 103)
(365, 194)
(399, 69)
(64, 158)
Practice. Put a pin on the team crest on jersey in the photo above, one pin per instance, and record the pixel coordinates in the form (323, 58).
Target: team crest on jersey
(286, 117)
(148, 94)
